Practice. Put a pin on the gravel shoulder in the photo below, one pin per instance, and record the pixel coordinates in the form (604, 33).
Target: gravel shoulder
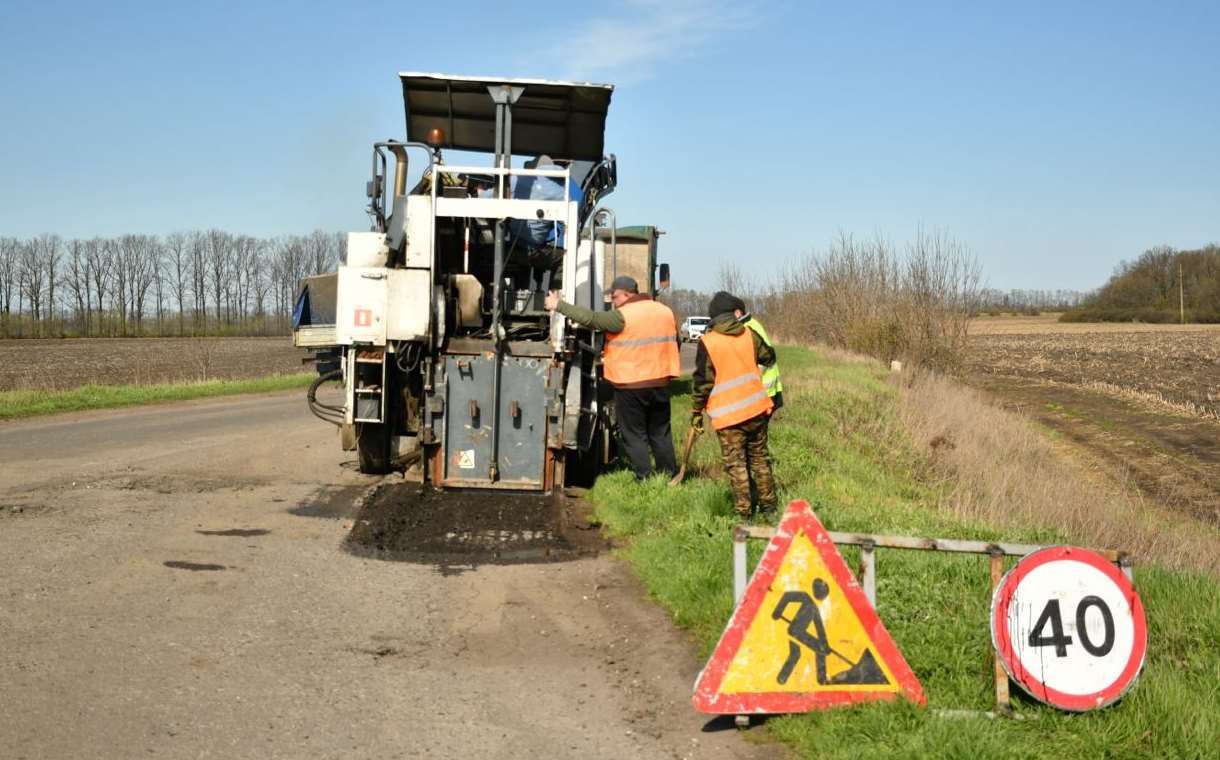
(173, 583)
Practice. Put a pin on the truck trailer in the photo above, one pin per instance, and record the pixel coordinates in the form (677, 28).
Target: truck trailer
(435, 325)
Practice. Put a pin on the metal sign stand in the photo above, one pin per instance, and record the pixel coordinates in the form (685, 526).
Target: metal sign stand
(870, 542)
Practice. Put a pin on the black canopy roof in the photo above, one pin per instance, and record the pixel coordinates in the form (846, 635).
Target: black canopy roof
(560, 119)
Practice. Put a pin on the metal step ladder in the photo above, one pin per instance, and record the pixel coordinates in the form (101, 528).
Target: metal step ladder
(366, 367)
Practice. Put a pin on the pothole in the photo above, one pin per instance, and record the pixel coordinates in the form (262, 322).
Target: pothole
(408, 523)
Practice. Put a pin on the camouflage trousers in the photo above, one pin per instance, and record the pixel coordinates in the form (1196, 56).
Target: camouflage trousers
(743, 450)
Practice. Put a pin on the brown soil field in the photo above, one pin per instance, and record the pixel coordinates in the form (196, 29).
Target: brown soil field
(1174, 367)
(1049, 324)
(69, 363)
(1142, 401)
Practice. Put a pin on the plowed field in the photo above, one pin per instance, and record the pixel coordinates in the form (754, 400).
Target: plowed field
(68, 363)
(1143, 401)
(1175, 367)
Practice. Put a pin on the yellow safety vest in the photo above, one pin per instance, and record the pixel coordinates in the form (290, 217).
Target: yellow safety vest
(770, 372)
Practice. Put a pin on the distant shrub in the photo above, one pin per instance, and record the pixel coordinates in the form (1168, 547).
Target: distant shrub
(872, 299)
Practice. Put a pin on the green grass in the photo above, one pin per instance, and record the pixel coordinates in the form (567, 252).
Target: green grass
(28, 403)
(836, 445)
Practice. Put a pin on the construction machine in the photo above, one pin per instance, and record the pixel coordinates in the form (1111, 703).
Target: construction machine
(435, 324)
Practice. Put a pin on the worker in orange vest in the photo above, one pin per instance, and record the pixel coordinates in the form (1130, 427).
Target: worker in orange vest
(639, 359)
(728, 386)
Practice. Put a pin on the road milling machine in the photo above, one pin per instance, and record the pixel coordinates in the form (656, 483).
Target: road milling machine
(435, 325)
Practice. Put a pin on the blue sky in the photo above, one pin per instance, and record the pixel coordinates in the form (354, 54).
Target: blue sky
(1053, 139)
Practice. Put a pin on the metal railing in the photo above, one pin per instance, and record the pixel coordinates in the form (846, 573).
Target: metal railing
(869, 543)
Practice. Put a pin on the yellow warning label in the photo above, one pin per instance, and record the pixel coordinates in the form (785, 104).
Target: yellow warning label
(806, 637)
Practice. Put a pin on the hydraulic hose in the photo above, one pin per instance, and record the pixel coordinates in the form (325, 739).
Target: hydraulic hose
(325, 412)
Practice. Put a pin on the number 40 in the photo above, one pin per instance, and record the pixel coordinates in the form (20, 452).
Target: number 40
(1060, 641)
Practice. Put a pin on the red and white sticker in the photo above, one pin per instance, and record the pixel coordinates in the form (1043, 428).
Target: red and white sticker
(1069, 628)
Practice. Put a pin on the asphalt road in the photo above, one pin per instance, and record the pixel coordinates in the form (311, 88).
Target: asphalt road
(172, 584)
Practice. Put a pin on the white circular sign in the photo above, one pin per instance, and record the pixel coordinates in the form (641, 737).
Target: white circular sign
(1069, 628)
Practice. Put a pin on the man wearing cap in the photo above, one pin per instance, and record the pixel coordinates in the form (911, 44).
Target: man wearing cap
(770, 372)
(727, 384)
(639, 360)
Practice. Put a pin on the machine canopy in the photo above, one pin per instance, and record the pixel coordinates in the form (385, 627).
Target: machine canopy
(565, 120)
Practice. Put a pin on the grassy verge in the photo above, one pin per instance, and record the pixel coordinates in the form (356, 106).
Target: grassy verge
(839, 444)
(28, 403)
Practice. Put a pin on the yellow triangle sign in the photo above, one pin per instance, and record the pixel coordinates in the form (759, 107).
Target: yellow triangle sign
(804, 636)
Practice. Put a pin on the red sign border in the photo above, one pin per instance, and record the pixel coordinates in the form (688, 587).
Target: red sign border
(1003, 643)
(707, 697)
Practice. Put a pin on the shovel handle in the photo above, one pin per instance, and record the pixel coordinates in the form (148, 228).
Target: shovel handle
(691, 435)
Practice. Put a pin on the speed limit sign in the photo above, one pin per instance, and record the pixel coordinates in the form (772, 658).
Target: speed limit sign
(1069, 628)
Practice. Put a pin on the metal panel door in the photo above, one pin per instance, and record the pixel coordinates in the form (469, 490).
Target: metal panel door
(523, 421)
(360, 309)
(469, 422)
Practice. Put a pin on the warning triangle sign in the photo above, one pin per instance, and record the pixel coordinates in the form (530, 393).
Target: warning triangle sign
(804, 636)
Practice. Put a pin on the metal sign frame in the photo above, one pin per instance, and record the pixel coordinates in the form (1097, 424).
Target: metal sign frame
(870, 542)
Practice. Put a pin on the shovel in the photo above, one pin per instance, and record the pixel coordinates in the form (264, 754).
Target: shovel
(691, 435)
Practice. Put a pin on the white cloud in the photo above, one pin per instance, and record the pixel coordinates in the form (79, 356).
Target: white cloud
(632, 43)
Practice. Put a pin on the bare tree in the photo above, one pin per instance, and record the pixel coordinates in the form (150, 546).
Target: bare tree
(290, 267)
(737, 281)
(320, 252)
(33, 281)
(261, 280)
(177, 265)
(220, 245)
(101, 256)
(142, 270)
(50, 251)
(869, 297)
(113, 286)
(199, 271)
(159, 281)
(8, 279)
(124, 254)
(78, 283)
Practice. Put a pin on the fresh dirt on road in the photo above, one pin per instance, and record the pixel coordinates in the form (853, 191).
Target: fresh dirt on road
(60, 364)
(409, 522)
(178, 581)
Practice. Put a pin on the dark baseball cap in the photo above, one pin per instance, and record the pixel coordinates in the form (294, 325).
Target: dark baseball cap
(623, 282)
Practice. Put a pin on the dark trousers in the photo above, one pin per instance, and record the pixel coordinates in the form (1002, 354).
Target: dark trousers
(643, 423)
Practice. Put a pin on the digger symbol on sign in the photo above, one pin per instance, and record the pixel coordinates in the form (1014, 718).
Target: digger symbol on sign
(803, 636)
(863, 671)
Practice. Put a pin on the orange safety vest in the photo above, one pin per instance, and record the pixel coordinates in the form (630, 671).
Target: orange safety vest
(646, 349)
(738, 394)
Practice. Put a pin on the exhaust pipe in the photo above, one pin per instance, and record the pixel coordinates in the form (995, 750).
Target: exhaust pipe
(400, 169)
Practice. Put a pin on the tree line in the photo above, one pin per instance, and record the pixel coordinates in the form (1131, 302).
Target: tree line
(199, 282)
(1162, 285)
(994, 302)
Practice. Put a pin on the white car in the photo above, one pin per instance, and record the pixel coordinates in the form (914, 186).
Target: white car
(692, 328)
